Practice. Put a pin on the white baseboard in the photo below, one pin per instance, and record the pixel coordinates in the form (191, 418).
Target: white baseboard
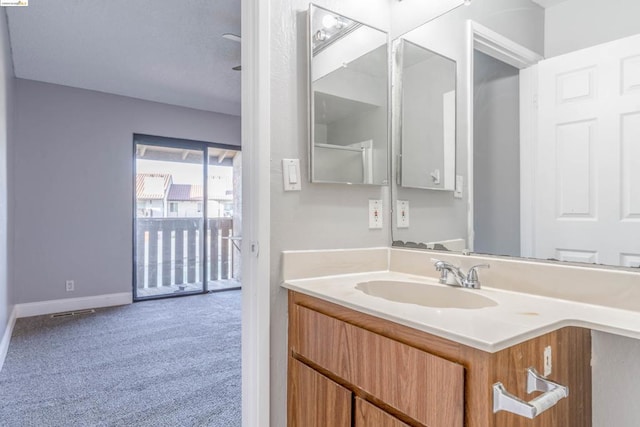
(72, 304)
(6, 337)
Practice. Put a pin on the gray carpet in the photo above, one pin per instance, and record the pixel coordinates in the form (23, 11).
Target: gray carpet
(173, 362)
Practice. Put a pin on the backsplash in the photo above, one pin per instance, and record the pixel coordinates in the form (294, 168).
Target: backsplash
(616, 288)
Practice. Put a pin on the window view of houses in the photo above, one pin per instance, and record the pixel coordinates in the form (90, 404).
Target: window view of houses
(158, 195)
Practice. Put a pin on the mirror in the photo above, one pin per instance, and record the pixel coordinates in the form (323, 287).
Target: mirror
(548, 125)
(427, 84)
(348, 68)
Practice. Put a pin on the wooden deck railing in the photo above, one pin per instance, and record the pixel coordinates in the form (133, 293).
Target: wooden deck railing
(168, 251)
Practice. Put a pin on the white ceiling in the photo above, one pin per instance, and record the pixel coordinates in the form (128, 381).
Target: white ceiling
(548, 3)
(159, 50)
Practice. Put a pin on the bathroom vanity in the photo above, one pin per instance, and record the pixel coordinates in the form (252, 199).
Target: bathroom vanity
(373, 342)
(343, 362)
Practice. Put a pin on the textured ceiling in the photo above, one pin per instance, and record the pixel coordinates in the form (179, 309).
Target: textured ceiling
(159, 50)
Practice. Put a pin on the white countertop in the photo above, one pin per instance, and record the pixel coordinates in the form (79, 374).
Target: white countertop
(516, 318)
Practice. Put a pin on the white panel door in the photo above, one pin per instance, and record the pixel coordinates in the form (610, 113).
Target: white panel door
(587, 166)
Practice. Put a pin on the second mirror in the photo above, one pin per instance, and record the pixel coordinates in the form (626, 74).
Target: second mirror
(427, 118)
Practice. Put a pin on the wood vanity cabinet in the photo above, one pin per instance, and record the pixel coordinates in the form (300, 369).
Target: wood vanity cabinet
(351, 369)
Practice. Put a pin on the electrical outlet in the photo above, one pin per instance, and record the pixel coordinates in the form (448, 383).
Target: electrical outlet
(375, 214)
(548, 363)
(70, 285)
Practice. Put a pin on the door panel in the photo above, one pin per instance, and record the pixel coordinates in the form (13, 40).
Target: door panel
(169, 221)
(588, 155)
(224, 218)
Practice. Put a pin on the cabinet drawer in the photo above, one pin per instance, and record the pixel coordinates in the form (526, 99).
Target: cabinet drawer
(425, 387)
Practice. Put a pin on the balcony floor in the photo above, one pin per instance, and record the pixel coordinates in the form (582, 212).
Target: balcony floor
(214, 286)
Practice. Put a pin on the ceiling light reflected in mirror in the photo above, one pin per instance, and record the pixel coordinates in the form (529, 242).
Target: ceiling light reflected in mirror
(330, 28)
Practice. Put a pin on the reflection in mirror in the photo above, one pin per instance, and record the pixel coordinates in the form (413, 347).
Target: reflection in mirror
(496, 156)
(428, 118)
(551, 120)
(348, 64)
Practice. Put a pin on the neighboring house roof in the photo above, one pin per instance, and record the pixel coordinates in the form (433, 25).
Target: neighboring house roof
(185, 193)
(152, 186)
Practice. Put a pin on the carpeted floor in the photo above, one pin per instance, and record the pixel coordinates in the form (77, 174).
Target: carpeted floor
(172, 362)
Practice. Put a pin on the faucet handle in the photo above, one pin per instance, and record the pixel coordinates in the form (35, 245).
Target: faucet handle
(447, 272)
(439, 264)
(472, 280)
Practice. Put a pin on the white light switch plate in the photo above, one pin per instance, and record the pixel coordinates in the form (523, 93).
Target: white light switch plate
(402, 214)
(291, 174)
(459, 186)
(375, 214)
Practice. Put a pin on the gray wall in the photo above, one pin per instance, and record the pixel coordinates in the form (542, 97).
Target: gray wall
(437, 215)
(496, 156)
(615, 371)
(6, 103)
(73, 190)
(577, 24)
(321, 215)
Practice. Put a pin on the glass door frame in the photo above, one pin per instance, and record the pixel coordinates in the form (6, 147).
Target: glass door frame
(187, 144)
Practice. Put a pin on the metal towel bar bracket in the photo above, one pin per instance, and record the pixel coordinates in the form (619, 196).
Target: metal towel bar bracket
(553, 392)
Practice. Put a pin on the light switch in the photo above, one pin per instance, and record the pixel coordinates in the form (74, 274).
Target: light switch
(375, 214)
(459, 186)
(291, 174)
(402, 214)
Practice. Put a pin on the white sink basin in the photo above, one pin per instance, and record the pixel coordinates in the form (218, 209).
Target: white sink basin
(425, 294)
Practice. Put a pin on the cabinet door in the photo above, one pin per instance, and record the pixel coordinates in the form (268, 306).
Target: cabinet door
(425, 387)
(315, 400)
(368, 415)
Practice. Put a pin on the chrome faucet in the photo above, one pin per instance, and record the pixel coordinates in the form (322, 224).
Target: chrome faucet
(449, 271)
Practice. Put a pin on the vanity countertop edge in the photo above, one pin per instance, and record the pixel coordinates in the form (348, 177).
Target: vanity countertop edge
(516, 318)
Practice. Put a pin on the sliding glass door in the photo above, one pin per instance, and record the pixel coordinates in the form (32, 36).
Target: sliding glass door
(187, 218)
(224, 218)
(169, 220)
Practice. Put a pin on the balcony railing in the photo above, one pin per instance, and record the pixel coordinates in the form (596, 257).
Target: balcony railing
(169, 251)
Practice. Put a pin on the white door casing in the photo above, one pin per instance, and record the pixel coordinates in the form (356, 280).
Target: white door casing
(256, 149)
(506, 50)
(587, 165)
